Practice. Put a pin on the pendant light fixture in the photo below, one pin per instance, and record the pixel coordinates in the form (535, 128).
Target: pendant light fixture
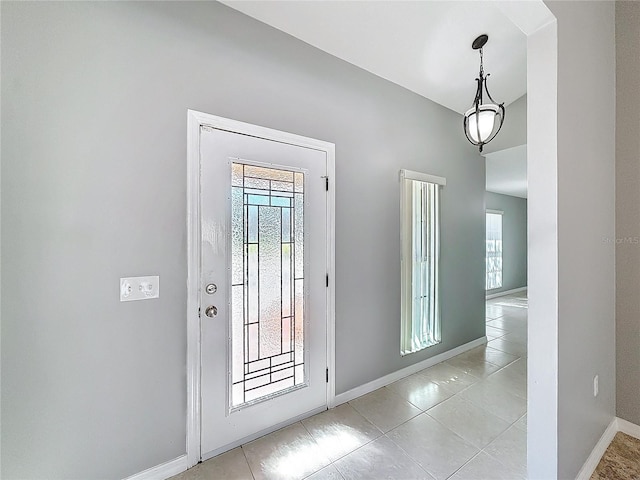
(483, 121)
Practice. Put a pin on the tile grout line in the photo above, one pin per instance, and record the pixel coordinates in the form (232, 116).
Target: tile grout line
(316, 443)
(332, 462)
(465, 464)
(244, 454)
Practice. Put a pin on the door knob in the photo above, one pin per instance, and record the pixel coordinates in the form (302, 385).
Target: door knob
(211, 311)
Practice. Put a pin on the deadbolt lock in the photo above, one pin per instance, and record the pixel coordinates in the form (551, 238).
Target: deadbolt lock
(211, 288)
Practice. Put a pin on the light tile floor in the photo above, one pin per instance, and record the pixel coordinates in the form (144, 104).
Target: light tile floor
(463, 419)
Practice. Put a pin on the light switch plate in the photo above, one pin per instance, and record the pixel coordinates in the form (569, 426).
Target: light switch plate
(139, 288)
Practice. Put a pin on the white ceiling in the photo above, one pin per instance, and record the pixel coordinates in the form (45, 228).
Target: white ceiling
(507, 171)
(424, 46)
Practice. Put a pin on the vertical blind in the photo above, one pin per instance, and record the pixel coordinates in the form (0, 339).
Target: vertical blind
(420, 285)
(494, 249)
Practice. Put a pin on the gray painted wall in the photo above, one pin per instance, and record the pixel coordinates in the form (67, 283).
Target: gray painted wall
(627, 211)
(514, 129)
(94, 101)
(514, 239)
(586, 216)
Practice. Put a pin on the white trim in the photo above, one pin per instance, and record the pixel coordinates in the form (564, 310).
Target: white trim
(628, 427)
(596, 454)
(495, 212)
(193, 287)
(243, 128)
(164, 470)
(422, 177)
(194, 121)
(543, 396)
(616, 425)
(405, 372)
(331, 271)
(506, 292)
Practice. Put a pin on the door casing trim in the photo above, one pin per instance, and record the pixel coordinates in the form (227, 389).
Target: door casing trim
(195, 120)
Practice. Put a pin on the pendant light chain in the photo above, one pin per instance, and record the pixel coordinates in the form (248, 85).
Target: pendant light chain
(481, 81)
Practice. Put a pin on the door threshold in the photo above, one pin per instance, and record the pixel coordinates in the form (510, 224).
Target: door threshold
(262, 433)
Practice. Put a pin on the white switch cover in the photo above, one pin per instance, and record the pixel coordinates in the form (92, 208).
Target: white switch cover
(139, 288)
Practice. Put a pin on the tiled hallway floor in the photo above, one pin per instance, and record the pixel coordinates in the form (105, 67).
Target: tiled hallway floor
(461, 419)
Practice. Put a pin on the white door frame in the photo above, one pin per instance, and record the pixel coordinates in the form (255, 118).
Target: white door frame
(194, 121)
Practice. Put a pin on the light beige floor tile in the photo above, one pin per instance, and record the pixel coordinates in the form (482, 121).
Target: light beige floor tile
(509, 305)
(507, 325)
(420, 391)
(507, 381)
(340, 430)
(510, 449)
(497, 400)
(516, 337)
(380, 459)
(385, 409)
(493, 311)
(475, 368)
(493, 332)
(513, 348)
(516, 324)
(515, 312)
(484, 467)
(472, 423)
(498, 323)
(327, 473)
(516, 369)
(437, 449)
(519, 366)
(484, 353)
(453, 379)
(518, 299)
(522, 423)
(230, 465)
(290, 453)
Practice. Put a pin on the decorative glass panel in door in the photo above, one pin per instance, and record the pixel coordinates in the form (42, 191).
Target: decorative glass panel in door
(267, 311)
(264, 244)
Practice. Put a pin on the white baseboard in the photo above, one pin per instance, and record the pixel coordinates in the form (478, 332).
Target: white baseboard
(628, 428)
(405, 372)
(616, 425)
(596, 454)
(506, 292)
(162, 471)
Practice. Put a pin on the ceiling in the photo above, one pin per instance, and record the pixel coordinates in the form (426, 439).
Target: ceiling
(507, 171)
(424, 46)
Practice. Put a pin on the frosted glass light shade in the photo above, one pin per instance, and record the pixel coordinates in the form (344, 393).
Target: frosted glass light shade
(486, 115)
(482, 123)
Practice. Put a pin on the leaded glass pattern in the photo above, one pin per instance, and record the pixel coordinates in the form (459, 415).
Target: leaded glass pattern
(267, 270)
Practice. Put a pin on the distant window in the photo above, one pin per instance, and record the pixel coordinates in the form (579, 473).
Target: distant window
(420, 283)
(494, 249)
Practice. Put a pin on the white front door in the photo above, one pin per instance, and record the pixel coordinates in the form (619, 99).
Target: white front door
(263, 284)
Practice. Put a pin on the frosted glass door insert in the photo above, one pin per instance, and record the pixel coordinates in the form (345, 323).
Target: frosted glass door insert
(267, 269)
